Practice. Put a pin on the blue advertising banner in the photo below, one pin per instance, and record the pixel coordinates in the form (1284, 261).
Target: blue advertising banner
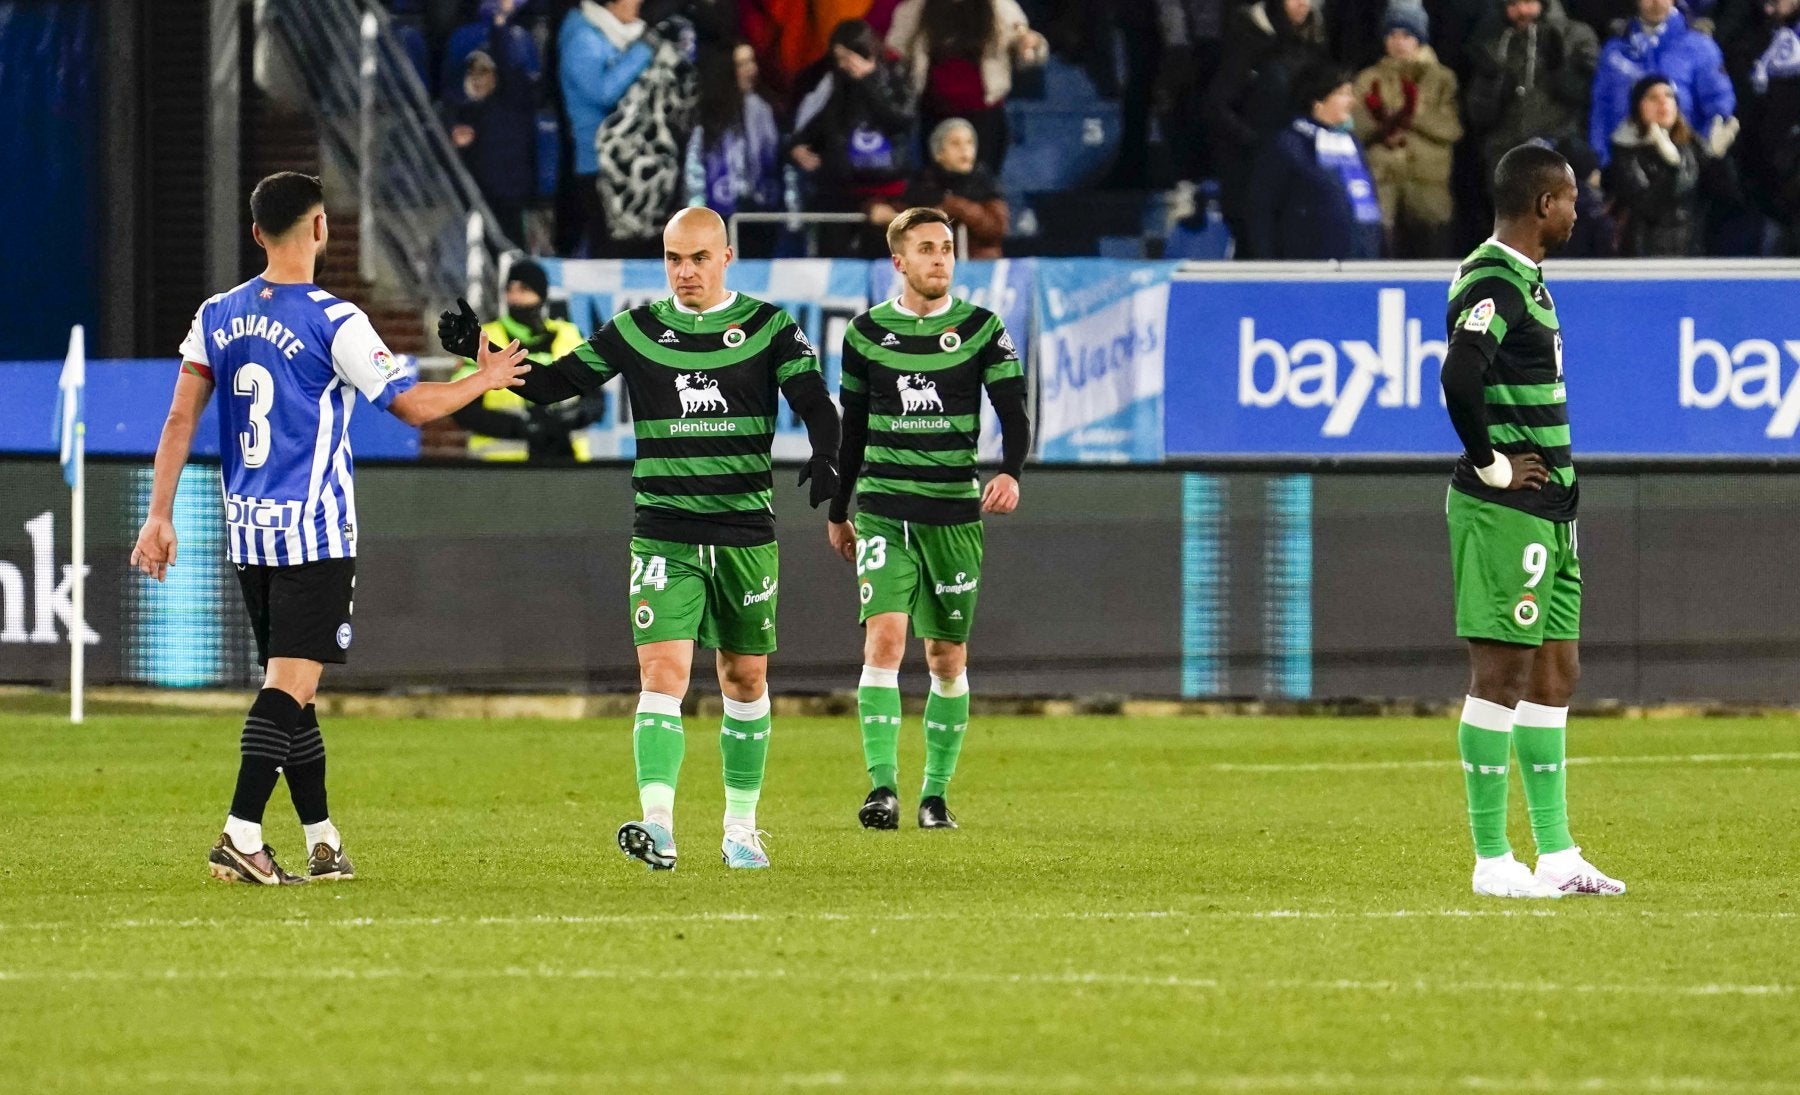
(1347, 364)
(1103, 327)
(128, 399)
(822, 295)
(1004, 287)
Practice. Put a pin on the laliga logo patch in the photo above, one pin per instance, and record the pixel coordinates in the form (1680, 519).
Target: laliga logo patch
(734, 336)
(383, 361)
(644, 616)
(949, 341)
(1481, 317)
(1525, 613)
(343, 636)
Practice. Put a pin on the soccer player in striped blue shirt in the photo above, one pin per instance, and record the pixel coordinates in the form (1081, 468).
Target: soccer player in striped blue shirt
(288, 360)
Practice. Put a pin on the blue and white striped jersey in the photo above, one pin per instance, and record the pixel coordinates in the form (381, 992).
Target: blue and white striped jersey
(288, 361)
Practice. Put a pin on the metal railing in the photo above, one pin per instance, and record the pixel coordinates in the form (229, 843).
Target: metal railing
(810, 222)
(422, 220)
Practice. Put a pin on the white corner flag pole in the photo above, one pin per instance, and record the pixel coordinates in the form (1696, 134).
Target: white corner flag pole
(74, 450)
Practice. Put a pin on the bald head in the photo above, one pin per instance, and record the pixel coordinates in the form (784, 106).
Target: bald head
(695, 254)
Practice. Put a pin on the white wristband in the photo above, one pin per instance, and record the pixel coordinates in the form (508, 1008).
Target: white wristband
(1498, 474)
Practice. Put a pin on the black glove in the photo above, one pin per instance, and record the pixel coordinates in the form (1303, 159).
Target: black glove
(823, 472)
(460, 332)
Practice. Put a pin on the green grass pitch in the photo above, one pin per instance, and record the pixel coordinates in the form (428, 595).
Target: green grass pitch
(1231, 905)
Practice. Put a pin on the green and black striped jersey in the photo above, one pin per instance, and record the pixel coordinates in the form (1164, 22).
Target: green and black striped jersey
(704, 398)
(921, 378)
(1499, 305)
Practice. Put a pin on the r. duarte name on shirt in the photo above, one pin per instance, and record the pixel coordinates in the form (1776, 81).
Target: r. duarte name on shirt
(259, 327)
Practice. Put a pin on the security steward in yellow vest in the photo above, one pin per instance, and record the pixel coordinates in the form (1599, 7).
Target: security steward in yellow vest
(501, 425)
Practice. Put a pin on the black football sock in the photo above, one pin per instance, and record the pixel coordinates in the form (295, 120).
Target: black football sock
(305, 769)
(268, 733)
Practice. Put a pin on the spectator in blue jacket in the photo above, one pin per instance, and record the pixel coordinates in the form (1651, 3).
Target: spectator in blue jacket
(1659, 42)
(603, 52)
(494, 33)
(1310, 195)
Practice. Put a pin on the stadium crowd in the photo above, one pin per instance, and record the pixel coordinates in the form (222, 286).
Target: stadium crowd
(1326, 128)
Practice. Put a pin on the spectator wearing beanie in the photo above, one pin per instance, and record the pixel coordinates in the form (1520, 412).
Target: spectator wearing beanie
(1658, 171)
(1310, 192)
(1406, 116)
(1659, 42)
(956, 182)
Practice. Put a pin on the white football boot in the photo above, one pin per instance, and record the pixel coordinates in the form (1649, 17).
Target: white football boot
(1504, 876)
(1571, 874)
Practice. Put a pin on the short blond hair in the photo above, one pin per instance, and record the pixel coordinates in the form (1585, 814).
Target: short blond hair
(911, 219)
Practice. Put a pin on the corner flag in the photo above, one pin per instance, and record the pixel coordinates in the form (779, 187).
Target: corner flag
(70, 421)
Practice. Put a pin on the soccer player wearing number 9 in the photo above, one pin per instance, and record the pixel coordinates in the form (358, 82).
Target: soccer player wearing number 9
(288, 360)
(702, 369)
(1511, 510)
(914, 371)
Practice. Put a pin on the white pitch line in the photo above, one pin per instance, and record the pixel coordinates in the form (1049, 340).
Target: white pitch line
(1067, 979)
(616, 919)
(1451, 762)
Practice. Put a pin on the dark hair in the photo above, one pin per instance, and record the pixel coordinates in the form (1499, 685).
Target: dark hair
(958, 28)
(1316, 81)
(279, 201)
(911, 219)
(858, 37)
(721, 102)
(1526, 174)
(1679, 132)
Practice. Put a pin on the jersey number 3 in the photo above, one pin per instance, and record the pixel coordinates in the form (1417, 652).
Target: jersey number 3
(258, 383)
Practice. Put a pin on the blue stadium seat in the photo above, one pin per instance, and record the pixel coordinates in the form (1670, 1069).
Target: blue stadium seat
(1057, 145)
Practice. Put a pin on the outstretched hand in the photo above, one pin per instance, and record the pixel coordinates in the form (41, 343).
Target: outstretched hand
(459, 332)
(499, 368)
(823, 472)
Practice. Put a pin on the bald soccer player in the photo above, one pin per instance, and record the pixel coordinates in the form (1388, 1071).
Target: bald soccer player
(701, 367)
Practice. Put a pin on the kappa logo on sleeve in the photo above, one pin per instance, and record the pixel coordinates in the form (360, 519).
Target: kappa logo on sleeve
(1006, 342)
(806, 347)
(1481, 317)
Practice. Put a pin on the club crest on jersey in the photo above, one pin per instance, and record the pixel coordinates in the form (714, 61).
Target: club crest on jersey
(267, 293)
(669, 338)
(343, 635)
(1525, 613)
(949, 341)
(699, 393)
(734, 336)
(918, 395)
(644, 616)
(1481, 317)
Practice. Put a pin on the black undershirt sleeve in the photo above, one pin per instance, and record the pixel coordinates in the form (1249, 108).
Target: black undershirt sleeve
(850, 452)
(1008, 398)
(1466, 399)
(806, 393)
(502, 424)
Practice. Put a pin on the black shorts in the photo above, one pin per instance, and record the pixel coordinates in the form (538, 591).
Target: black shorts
(300, 611)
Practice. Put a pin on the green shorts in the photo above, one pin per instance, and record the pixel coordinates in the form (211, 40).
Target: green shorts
(1518, 579)
(721, 597)
(930, 572)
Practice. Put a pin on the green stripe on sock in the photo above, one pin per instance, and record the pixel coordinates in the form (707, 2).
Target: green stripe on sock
(1484, 756)
(744, 756)
(657, 744)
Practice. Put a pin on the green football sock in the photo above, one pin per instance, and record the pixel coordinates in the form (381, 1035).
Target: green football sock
(657, 744)
(946, 724)
(878, 708)
(1539, 733)
(744, 753)
(1485, 740)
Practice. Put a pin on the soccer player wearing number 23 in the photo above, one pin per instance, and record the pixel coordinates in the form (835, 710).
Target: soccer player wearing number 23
(288, 360)
(702, 369)
(914, 371)
(1511, 510)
